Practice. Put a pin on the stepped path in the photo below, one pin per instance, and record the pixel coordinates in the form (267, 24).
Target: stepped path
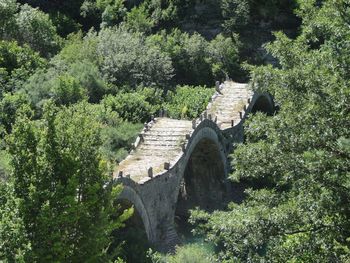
(161, 143)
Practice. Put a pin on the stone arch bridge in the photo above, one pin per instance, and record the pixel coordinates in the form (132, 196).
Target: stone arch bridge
(177, 165)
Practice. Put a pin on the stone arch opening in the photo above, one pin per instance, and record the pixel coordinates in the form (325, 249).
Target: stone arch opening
(203, 184)
(263, 104)
(133, 234)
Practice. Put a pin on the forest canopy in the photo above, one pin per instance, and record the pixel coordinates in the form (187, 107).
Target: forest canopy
(79, 78)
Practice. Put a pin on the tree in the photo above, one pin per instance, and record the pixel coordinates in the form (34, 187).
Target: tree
(37, 30)
(189, 55)
(9, 107)
(66, 83)
(14, 242)
(17, 65)
(296, 162)
(65, 194)
(224, 56)
(127, 59)
(138, 20)
(28, 25)
(110, 12)
(235, 14)
(8, 8)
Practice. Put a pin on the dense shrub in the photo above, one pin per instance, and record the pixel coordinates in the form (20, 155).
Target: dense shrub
(187, 102)
(65, 199)
(67, 83)
(235, 13)
(296, 162)
(117, 140)
(131, 107)
(57, 84)
(189, 253)
(8, 8)
(4, 164)
(14, 242)
(79, 48)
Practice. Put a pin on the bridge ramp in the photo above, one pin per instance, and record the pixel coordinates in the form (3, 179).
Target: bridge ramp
(228, 105)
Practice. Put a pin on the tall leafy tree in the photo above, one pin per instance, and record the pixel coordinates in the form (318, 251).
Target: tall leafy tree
(298, 161)
(64, 192)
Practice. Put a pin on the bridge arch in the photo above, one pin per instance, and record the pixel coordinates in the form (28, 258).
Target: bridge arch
(203, 172)
(129, 196)
(262, 102)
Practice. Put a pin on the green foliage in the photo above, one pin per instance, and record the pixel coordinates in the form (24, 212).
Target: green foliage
(138, 20)
(167, 13)
(79, 48)
(224, 53)
(297, 162)
(60, 180)
(17, 64)
(4, 164)
(29, 26)
(131, 107)
(9, 108)
(114, 11)
(111, 12)
(187, 102)
(135, 246)
(235, 13)
(35, 28)
(66, 83)
(189, 55)
(189, 253)
(14, 242)
(117, 140)
(67, 90)
(61, 86)
(127, 59)
(64, 24)
(8, 8)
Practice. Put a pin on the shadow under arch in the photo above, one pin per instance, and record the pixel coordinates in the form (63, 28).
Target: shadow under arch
(129, 197)
(136, 234)
(263, 103)
(203, 182)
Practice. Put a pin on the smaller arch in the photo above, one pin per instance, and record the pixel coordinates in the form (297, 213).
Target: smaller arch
(262, 103)
(130, 196)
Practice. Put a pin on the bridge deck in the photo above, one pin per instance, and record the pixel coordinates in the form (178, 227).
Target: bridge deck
(227, 105)
(163, 141)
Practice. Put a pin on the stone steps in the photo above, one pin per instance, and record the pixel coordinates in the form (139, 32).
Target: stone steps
(163, 137)
(168, 133)
(159, 148)
(172, 239)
